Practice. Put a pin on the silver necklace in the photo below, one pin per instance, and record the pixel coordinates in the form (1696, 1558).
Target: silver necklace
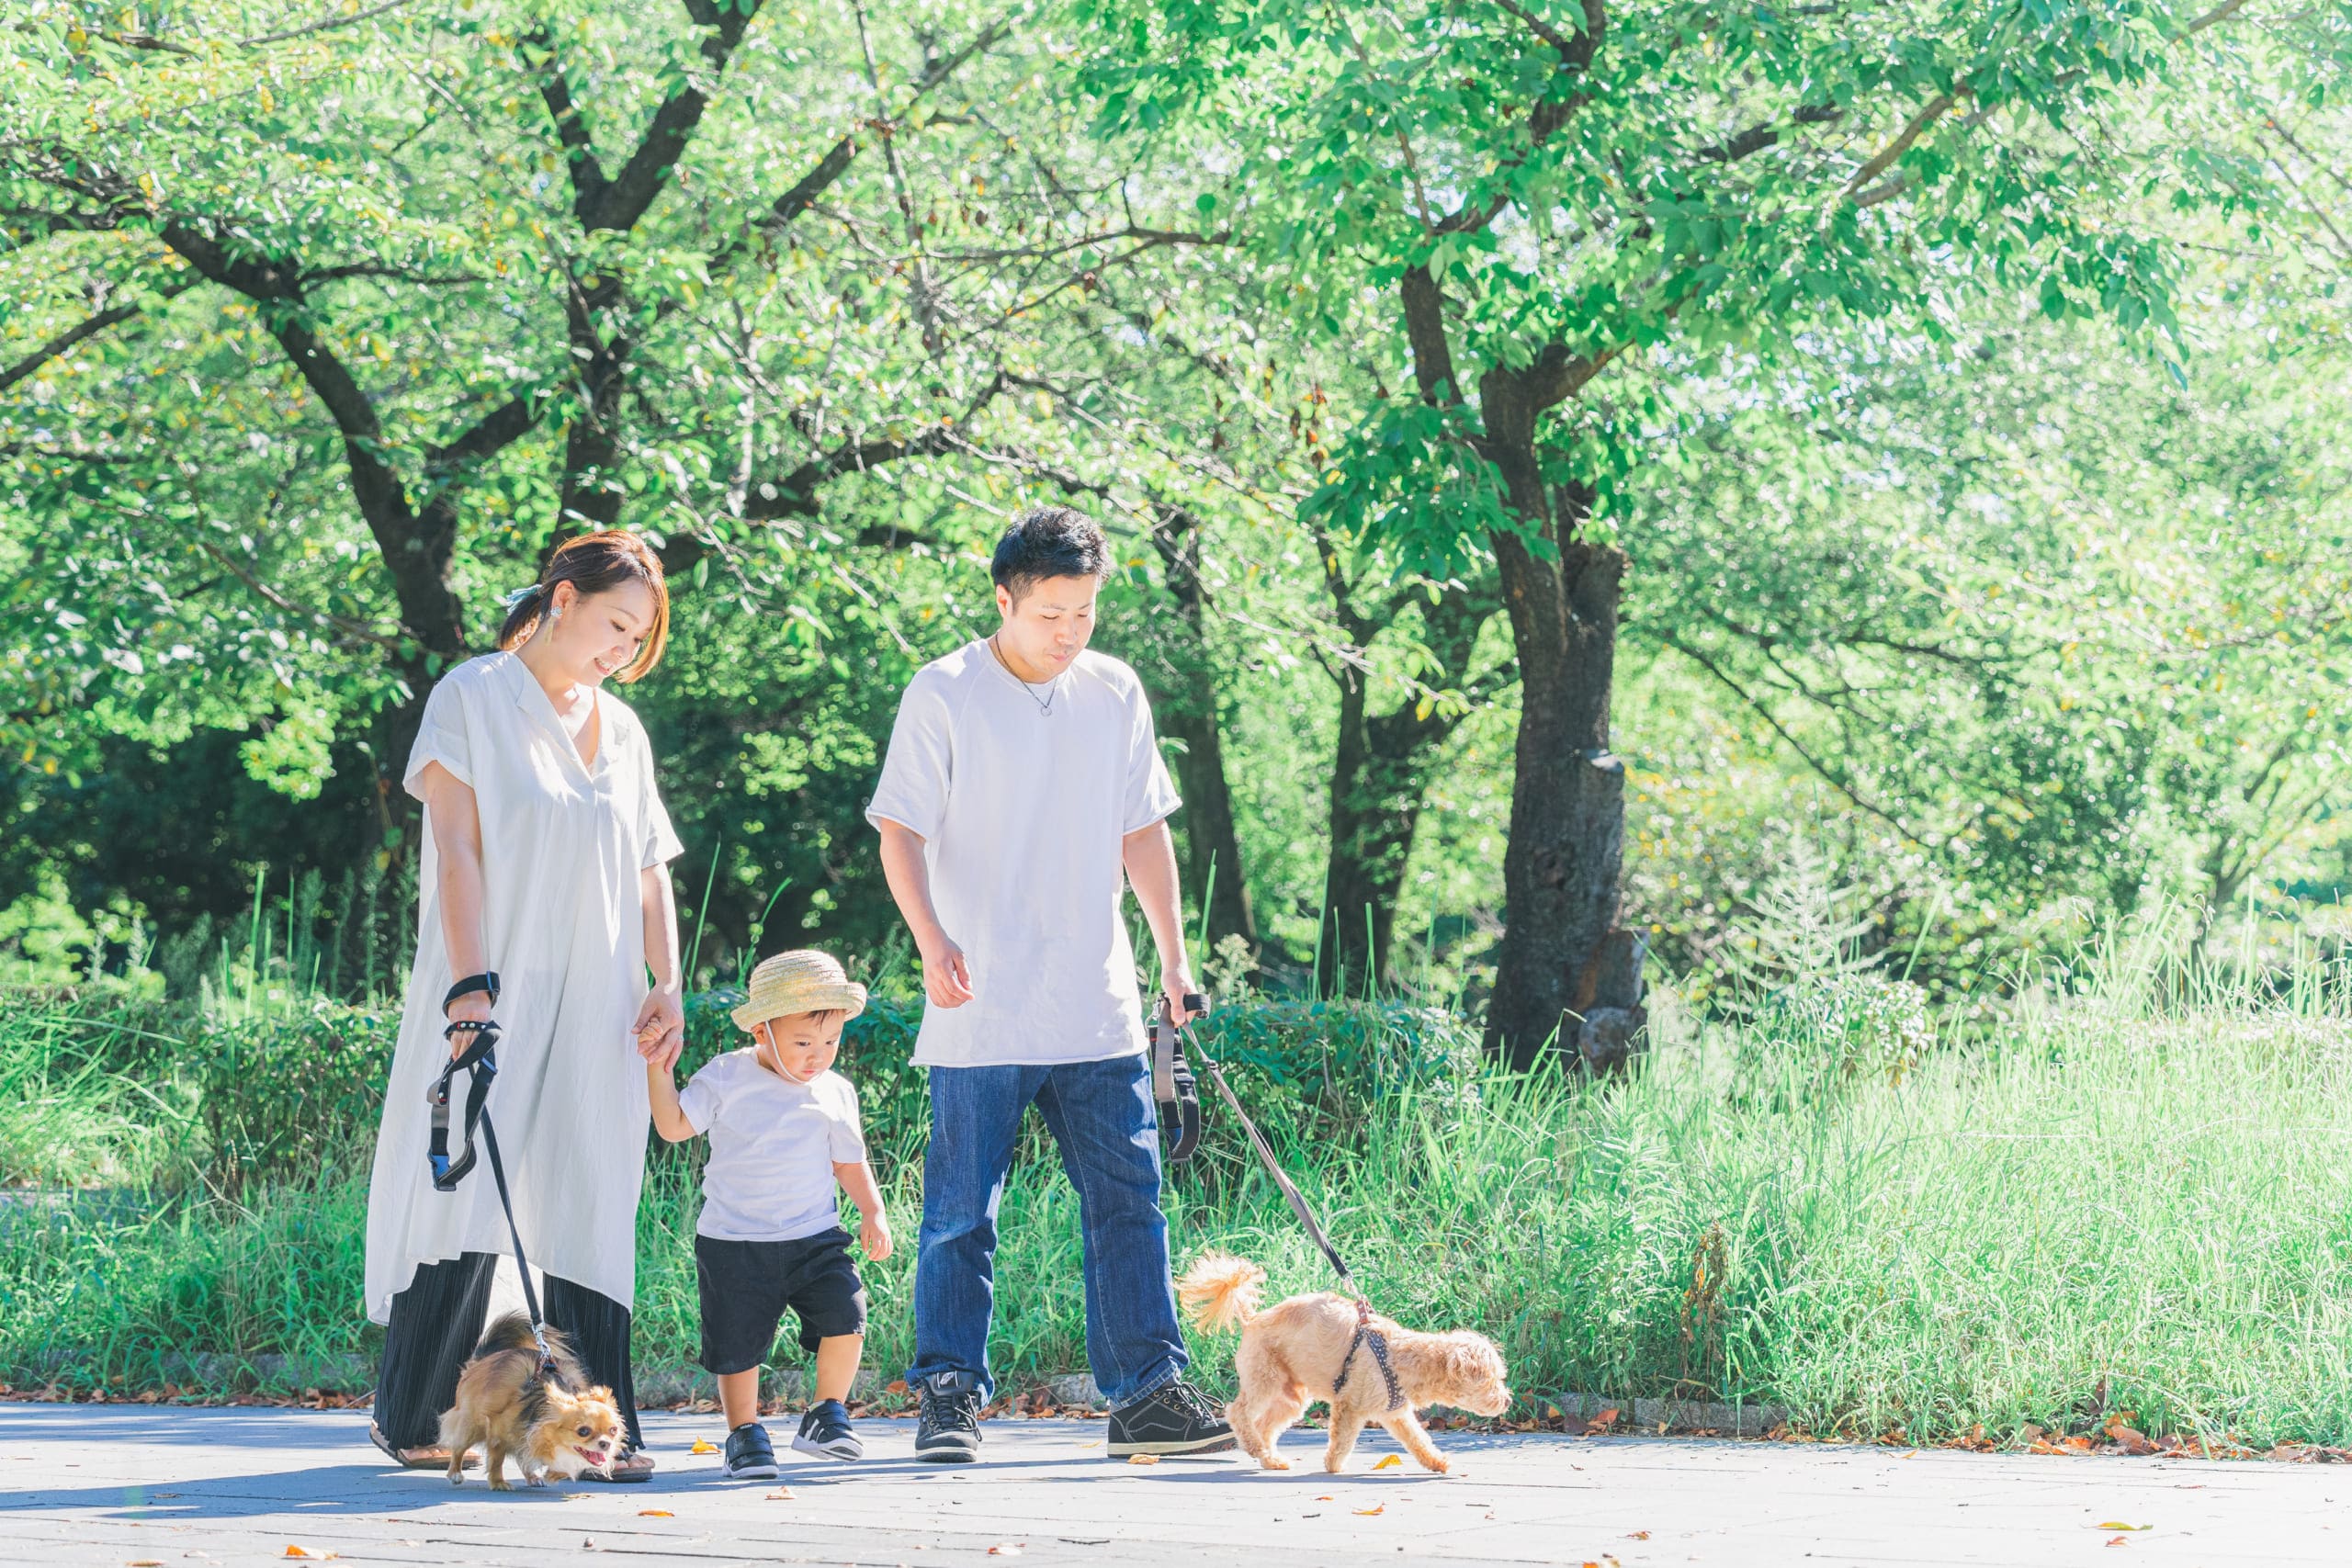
(1046, 706)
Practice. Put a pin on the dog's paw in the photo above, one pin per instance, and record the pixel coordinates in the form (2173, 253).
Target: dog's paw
(535, 1480)
(1271, 1462)
(1437, 1466)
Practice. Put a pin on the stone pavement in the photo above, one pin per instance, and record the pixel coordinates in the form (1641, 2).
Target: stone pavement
(156, 1484)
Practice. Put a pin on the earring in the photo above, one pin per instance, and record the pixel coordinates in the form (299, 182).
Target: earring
(555, 614)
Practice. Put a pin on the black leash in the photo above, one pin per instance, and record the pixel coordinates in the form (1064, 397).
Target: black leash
(1172, 1066)
(478, 1062)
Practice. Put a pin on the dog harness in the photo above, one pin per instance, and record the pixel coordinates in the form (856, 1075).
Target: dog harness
(1367, 1337)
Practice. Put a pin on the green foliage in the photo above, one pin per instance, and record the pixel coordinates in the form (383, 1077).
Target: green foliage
(2095, 1206)
(284, 1094)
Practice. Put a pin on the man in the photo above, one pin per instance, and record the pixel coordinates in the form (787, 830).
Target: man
(1023, 787)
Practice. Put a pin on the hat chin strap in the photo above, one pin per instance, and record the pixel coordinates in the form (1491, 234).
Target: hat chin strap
(776, 1061)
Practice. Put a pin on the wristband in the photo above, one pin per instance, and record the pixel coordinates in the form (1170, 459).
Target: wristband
(469, 985)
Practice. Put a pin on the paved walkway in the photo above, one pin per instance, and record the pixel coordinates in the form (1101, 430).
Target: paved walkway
(147, 1485)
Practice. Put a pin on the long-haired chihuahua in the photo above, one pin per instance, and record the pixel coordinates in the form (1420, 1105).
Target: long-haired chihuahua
(547, 1419)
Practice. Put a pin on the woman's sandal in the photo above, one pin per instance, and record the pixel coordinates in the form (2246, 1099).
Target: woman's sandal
(638, 1466)
(431, 1457)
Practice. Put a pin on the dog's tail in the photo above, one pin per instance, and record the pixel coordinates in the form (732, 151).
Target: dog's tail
(512, 1332)
(1220, 1291)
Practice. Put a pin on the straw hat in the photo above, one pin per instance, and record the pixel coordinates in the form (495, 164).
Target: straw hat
(803, 980)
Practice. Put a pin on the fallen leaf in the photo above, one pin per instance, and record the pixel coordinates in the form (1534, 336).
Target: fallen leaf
(1375, 1508)
(1013, 1548)
(1326, 1497)
(1639, 1535)
(781, 1495)
(655, 1514)
(1143, 1459)
(292, 1550)
(2131, 1440)
(2120, 1525)
(2117, 1540)
(703, 1446)
(896, 1385)
(1606, 1419)
(146, 1562)
(1390, 1462)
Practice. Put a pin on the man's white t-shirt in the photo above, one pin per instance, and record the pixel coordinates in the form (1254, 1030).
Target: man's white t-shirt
(774, 1145)
(1022, 813)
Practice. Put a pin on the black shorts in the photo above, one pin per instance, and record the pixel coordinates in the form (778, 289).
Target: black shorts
(745, 1287)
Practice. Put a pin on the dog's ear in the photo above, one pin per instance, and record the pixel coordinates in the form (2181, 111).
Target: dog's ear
(600, 1392)
(1471, 1359)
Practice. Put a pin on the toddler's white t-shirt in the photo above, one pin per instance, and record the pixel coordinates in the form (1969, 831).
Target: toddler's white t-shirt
(1022, 812)
(774, 1145)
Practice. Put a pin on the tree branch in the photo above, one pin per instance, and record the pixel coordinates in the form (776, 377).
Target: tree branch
(1425, 336)
(588, 179)
(1757, 707)
(1930, 112)
(81, 333)
(323, 24)
(624, 199)
(1757, 138)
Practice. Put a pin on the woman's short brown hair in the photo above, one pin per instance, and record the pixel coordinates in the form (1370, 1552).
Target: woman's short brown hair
(593, 563)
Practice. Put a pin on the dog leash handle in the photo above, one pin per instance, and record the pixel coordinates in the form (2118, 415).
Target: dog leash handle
(1173, 1088)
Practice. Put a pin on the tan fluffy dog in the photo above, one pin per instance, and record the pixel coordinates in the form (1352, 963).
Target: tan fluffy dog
(1291, 1356)
(550, 1423)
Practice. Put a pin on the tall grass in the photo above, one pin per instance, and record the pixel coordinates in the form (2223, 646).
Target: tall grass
(2128, 1194)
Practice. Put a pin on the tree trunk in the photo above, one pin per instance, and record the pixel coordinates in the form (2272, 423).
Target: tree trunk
(1568, 979)
(1381, 771)
(1187, 710)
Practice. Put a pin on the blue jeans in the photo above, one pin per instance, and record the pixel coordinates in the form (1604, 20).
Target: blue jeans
(1103, 1121)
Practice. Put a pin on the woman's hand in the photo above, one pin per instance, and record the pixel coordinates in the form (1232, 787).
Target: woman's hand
(471, 1007)
(661, 1028)
(874, 1234)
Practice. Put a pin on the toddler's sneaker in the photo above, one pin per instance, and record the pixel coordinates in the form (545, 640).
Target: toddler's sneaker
(750, 1455)
(826, 1430)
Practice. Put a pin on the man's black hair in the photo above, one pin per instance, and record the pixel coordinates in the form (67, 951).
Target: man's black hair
(1046, 542)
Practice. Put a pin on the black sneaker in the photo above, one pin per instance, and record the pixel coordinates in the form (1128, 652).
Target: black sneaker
(950, 1430)
(750, 1455)
(1171, 1419)
(826, 1430)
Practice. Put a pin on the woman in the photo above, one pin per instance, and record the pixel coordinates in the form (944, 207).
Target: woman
(545, 842)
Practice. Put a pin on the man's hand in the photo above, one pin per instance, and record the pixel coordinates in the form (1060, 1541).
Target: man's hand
(1176, 985)
(473, 1008)
(661, 1027)
(946, 978)
(873, 1235)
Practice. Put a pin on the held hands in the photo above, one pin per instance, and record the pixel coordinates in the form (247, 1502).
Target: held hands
(946, 978)
(874, 1234)
(661, 1027)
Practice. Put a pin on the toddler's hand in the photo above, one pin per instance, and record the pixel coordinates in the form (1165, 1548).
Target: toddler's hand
(874, 1234)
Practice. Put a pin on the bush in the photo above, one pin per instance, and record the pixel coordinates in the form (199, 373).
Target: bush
(284, 1094)
(1822, 1033)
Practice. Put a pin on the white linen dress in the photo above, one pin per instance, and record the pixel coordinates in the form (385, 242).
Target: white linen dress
(563, 843)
